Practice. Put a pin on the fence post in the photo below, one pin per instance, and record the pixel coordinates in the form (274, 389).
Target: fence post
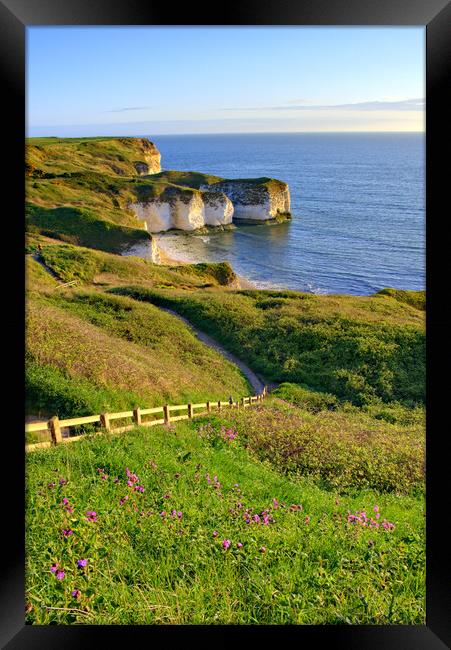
(137, 416)
(208, 407)
(105, 421)
(242, 402)
(167, 417)
(190, 410)
(219, 405)
(55, 431)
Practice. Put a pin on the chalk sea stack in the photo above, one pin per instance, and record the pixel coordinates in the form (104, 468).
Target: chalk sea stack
(255, 199)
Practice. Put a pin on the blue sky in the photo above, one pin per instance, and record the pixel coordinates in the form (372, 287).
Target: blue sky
(157, 80)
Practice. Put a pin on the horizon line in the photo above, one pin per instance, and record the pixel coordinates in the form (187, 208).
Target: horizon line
(140, 135)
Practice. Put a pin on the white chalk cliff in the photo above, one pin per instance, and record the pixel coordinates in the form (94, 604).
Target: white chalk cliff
(172, 200)
(184, 210)
(255, 199)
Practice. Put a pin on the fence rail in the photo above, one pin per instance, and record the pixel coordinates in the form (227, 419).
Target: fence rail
(54, 425)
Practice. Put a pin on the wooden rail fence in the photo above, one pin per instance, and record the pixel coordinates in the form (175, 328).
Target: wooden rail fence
(54, 425)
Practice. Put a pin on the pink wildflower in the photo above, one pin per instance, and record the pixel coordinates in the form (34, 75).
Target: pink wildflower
(226, 543)
(215, 533)
(91, 515)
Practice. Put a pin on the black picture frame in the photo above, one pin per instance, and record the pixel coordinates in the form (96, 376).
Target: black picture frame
(435, 15)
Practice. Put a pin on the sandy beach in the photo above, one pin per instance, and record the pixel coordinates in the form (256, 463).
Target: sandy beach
(165, 259)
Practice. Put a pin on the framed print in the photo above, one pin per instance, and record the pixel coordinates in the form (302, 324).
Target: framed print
(234, 313)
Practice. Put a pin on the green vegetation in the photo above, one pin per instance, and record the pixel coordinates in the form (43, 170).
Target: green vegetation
(189, 179)
(106, 155)
(364, 350)
(80, 226)
(113, 554)
(305, 509)
(415, 298)
(119, 354)
(88, 266)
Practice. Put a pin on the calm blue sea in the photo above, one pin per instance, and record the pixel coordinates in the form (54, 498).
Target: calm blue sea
(358, 205)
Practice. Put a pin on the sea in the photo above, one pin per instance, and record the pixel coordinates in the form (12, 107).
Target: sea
(357, 202)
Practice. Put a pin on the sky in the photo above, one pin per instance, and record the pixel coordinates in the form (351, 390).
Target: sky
(86, 81)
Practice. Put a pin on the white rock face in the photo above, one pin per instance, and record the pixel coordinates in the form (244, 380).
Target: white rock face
(218, 208)
(184, 211)
(253, 200)
(156, 215)
(189, 215)
(151, 158)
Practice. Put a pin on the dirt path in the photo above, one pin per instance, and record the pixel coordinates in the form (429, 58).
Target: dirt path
(37, 258)
(257, 382)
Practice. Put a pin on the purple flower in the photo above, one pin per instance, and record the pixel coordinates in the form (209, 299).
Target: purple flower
(226, 543)
(60, 575)
(123, 500)
(256, 518)
(62, 481)
(76, 593)
(116, 480)
(163, 513)
(81, 563)
(67, 532)
(263, 549)
(376, 508)
(54, 568)
(215, 533)
(239, 545)
(275, 502)
(91, 515)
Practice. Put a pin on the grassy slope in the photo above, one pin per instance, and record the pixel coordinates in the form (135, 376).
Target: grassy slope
(106, 155)
(88, 351)
(307, 566)
(361, 349)
(91, 350)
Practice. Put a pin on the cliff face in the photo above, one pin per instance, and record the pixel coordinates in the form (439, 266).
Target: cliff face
(254, 199)
(183, 210)
(151, 157)
(218, 208)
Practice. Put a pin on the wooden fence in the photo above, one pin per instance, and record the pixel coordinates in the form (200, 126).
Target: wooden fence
(54, 425)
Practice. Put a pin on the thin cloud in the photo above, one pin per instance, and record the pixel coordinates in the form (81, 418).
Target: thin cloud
(127, 108)
(417, 104)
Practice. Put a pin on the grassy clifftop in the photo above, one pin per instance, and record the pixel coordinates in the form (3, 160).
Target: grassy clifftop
(89, 351)
(111, 156)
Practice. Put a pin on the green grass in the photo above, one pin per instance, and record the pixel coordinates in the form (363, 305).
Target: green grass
(147, 568)
(112, 353)
(81, 227)
(107, 155)
(416, 299)
(365, 350)
(99, 268)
